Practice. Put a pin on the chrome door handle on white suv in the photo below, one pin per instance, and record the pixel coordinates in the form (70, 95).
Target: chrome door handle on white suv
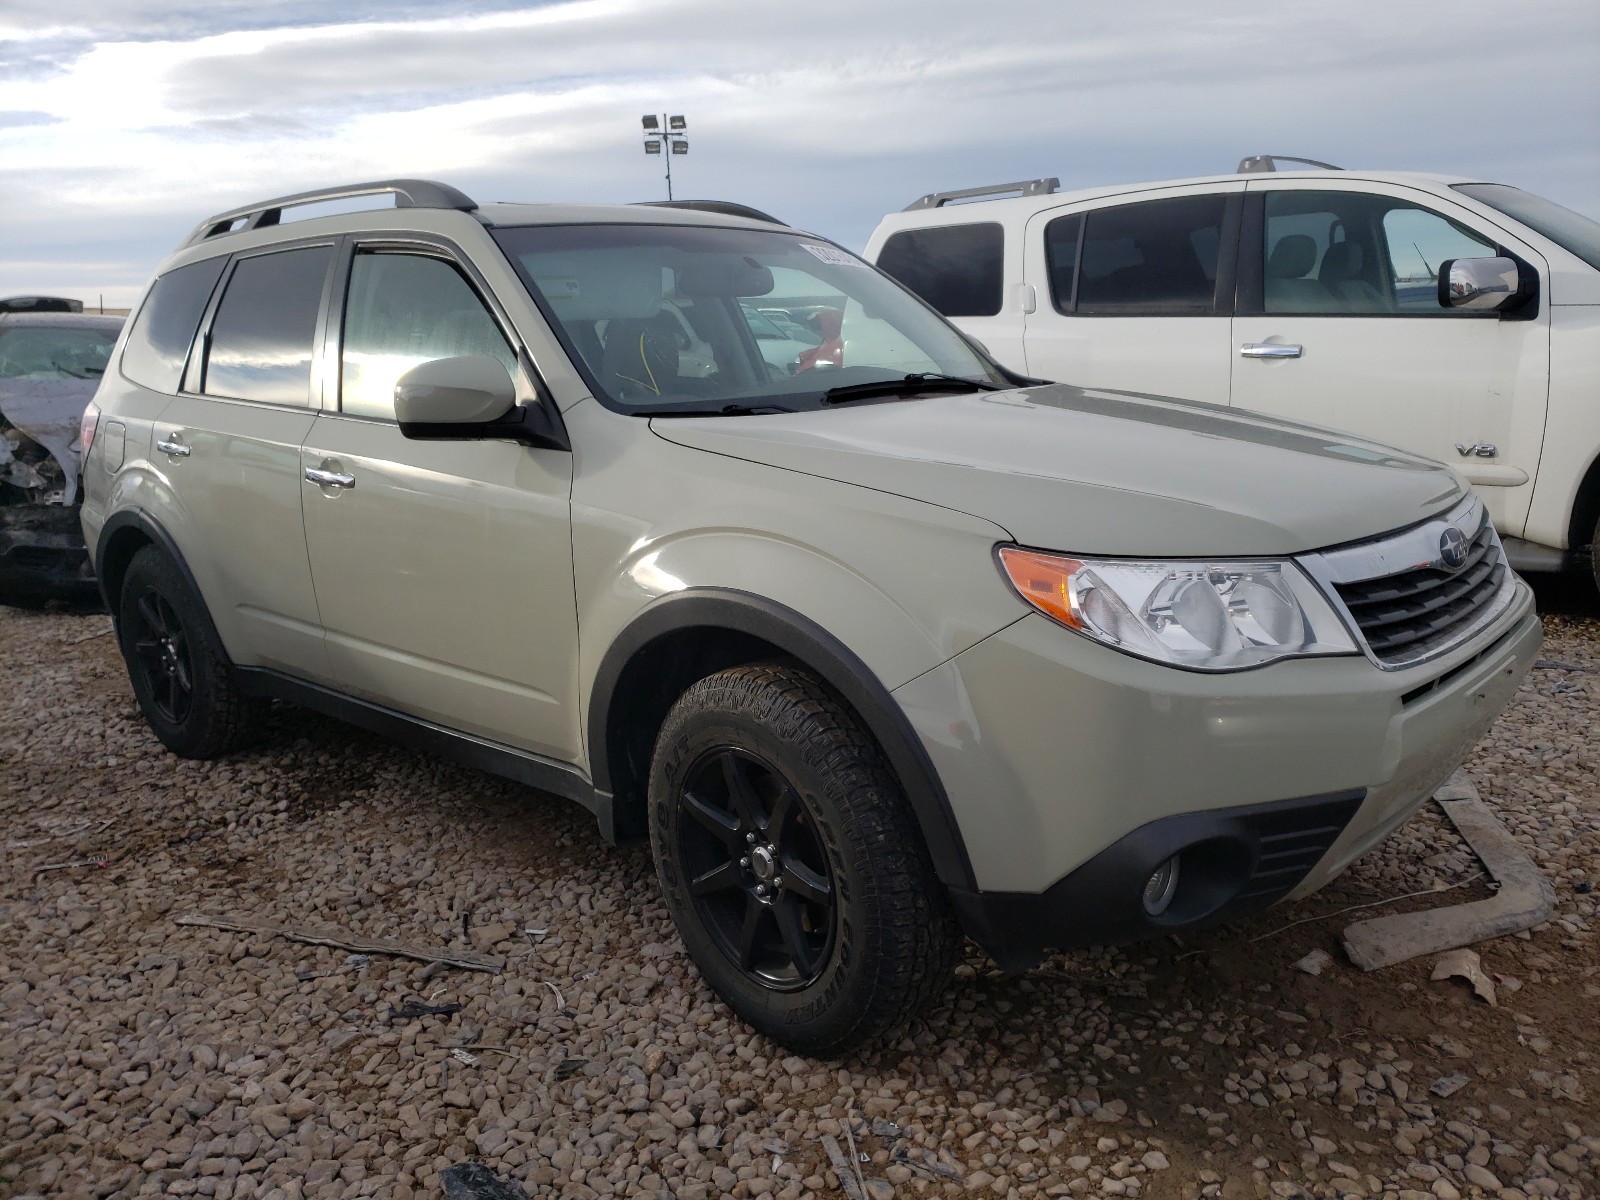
(173, 444)
(323, 477)
(1268, 350)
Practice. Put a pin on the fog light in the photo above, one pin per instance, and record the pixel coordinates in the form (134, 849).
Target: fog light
(1159, 888)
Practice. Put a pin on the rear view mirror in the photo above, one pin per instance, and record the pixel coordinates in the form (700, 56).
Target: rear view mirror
(717, 276)
(454, 391)
(1478, 284)
(471, 398)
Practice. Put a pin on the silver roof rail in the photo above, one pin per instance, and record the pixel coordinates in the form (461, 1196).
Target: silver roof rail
(1025, 187)
(728, 208)
(1259, 163)
(408, 193)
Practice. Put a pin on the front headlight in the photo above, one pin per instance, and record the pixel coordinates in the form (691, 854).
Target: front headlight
(1207, 616)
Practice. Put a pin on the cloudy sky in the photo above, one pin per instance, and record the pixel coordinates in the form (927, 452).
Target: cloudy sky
(123, 122)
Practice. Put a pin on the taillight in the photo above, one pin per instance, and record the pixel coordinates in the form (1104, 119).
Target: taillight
(86, 428)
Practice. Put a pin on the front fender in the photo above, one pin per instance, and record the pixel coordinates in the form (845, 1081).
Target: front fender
(798, 637)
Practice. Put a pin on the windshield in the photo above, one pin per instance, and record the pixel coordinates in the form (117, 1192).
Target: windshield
(1569, 230)
(677, 318)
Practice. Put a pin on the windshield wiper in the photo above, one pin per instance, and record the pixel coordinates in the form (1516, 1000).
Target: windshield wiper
(727, 410)
(87, 373)
(906, 385)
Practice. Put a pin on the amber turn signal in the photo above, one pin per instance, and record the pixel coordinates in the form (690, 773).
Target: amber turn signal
(1044, 581)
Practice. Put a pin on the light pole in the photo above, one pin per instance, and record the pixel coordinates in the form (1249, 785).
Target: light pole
(667, 136)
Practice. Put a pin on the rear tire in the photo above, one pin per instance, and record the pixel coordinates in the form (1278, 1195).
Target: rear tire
(1594, 555)
(181, 676)
(791, 862)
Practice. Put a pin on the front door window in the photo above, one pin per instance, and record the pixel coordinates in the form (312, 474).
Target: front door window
(1357, 254)
(405, 309)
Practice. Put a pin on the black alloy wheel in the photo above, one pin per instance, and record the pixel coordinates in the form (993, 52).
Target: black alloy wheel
(758, 875)
(791, 862)
(180, 672)
(162, 648)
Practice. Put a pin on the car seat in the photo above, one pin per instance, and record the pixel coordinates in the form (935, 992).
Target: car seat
(1340, 274)
(1287, 288)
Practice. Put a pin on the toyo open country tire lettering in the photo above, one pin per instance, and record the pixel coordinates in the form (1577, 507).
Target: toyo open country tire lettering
(181, 676)
(791, 863)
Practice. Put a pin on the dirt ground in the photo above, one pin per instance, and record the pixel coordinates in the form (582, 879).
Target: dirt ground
(139, 1056)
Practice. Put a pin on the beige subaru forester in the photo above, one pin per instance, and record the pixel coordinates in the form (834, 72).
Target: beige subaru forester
(880, 646)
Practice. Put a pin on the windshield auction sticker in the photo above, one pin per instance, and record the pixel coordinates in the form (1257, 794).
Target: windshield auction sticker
(832, 255)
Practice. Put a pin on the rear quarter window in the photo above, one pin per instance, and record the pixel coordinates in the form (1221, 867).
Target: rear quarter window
(158, 344)
(955, 268)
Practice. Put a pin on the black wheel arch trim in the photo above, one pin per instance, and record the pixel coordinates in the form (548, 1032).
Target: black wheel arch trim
(152, 529)
(799, 637)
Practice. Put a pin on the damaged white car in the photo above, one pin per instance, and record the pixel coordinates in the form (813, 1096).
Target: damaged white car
(50, 366)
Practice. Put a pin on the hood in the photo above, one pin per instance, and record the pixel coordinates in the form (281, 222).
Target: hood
(1102, 472)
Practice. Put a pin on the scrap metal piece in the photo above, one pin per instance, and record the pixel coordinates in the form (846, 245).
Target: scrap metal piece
(467, 959)
(1524, 900)
(1464, 964)
(474, 1181)
(417, 1008)
(842, 1167)
(1449, 1085)
(1313, 963)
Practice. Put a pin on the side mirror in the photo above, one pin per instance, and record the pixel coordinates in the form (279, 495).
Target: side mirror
(472, 398)
(1478, 284)
(454, 391)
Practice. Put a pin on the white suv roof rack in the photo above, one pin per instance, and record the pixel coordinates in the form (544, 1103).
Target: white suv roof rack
(1025, 187)
(1258, 163)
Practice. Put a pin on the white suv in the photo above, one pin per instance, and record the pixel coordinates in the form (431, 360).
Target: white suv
(1455, 318)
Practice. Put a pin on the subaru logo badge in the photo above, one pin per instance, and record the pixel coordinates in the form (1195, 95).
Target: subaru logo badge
(1453, 548)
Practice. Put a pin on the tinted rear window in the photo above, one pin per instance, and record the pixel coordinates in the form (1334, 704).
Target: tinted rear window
(262, 334)
(158, 344)
(1155, 258)
(955, 268)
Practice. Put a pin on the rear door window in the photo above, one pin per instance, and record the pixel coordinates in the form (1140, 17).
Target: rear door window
(265, 326)
(1061, 239)
(158, 344)
(957, 269)
(1158, 258)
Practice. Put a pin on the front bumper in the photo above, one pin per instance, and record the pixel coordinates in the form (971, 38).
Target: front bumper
(1073, 771)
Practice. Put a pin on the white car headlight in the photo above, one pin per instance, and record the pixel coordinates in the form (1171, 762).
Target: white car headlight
(1206, 616)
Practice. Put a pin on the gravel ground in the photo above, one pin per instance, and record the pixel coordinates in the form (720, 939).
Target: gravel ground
(141, 1057)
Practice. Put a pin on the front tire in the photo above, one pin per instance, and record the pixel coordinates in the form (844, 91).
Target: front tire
(791, 863)
(180, 673)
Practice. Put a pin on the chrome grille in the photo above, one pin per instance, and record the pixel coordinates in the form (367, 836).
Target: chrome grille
(1402, 616)
(1407, 603)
